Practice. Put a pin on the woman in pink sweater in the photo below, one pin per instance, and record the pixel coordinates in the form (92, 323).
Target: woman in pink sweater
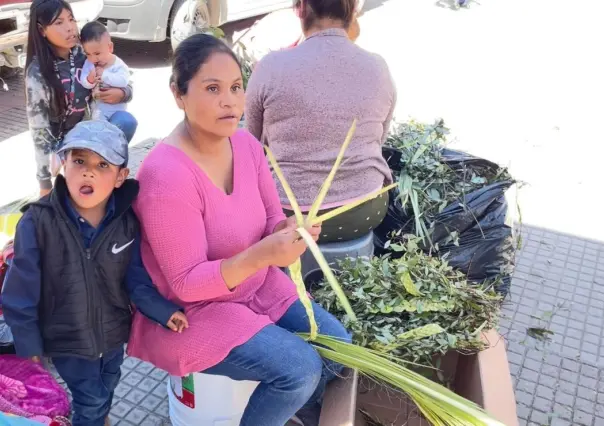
(213, 239)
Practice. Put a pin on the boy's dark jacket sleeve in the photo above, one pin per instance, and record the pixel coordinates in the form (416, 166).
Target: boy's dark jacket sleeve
(22, 289)
(143, 293)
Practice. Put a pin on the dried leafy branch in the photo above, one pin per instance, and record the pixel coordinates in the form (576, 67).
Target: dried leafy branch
(412, 308)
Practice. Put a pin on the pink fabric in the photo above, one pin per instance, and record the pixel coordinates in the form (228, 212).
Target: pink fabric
(188, 227)
(28, 390)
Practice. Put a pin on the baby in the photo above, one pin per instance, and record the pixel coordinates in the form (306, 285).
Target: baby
(102, 68)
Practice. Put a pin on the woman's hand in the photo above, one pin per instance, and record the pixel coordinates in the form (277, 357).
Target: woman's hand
(111, 95)
(315, 231)
(290, 222)
(281, 248)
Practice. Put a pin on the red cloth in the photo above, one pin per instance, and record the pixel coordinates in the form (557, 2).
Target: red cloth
(7, 252)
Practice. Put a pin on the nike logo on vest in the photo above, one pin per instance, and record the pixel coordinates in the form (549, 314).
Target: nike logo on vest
(115, 249)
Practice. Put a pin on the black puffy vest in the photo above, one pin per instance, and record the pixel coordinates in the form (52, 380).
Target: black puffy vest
(84, 308)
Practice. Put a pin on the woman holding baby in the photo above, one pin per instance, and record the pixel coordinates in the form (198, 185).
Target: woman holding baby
(57, 95)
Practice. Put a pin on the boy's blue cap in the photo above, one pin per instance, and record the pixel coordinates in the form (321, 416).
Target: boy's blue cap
(100, 137)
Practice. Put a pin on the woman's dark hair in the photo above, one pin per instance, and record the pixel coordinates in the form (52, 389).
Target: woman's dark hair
(191, 54)
(43, 13)
(342, 10)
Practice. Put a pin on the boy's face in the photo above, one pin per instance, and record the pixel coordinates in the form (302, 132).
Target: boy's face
(99, 52)
(90, 178)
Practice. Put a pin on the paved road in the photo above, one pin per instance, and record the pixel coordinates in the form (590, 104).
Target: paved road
(519, 83)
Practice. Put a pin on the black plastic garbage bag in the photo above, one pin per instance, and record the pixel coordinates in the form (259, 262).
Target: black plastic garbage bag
(485, 247)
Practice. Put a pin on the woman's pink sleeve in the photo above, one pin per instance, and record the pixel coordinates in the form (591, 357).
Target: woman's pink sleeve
(175, 230)
(268, 189)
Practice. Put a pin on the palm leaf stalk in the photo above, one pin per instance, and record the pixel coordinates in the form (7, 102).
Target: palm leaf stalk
(438, 404)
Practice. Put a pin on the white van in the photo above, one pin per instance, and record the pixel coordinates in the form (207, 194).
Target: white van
(156, 20)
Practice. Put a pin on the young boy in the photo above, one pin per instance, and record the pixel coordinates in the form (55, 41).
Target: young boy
(102, 68)
(77, 265)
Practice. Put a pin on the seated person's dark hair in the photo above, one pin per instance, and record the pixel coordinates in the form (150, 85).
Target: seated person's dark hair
(92, 31)
(191, 54)
(342, 10)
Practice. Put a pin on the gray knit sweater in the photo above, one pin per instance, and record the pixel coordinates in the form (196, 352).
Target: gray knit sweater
(302, 101)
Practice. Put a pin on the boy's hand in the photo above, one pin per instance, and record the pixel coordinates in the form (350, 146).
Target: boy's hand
(178, 322)
(91, 76)
(35, 359)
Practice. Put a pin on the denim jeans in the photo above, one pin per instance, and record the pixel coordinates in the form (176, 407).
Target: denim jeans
(91, 384)
(125, 122)
(291, 373)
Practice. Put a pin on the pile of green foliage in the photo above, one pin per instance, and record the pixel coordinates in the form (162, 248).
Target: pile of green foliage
(414, 307)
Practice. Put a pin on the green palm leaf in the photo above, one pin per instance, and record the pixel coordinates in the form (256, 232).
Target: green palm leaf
(438, 404)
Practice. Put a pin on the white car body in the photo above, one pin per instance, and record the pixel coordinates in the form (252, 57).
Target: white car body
(14, 22)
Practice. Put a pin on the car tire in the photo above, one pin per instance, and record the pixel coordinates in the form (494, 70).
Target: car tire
(182, 26)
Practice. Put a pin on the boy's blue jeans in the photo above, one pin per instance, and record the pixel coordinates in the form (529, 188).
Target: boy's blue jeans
(125, 122)
(291, 373)
(91, 384)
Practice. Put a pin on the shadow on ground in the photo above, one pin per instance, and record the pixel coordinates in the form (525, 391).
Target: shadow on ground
(142, 54)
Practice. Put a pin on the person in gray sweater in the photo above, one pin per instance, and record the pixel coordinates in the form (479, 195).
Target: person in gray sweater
(302, 101)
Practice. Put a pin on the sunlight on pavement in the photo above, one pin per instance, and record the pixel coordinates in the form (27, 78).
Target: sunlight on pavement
(153, 104)
(17, 168)
(513, 87)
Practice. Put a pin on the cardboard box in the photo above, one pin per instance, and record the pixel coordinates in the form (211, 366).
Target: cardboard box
(483, 378)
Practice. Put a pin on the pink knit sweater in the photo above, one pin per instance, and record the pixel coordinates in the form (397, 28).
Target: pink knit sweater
(188, 227)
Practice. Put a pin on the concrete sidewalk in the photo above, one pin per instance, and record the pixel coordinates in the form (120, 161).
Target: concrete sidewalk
(558, 286)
